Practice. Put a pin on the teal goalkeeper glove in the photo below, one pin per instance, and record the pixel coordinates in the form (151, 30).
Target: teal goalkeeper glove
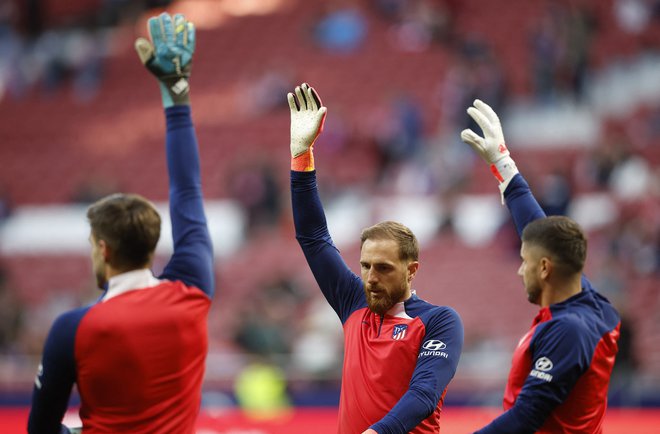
(491, 146)
(169, 58)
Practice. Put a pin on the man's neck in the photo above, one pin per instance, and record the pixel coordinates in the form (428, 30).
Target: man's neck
(562, 290)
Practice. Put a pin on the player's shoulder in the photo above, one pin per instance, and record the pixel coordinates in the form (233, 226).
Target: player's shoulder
(431, 313)
(67, 323)
(569, 325)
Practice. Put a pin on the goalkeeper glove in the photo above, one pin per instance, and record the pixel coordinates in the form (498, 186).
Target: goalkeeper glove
(491, 146)
(169, 58)
(307, 118)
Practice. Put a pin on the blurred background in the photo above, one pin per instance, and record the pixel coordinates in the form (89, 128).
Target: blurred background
(576, 84)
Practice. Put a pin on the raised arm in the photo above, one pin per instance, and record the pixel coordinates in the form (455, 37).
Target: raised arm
(491, 147)
(169, 59)
(341, 287)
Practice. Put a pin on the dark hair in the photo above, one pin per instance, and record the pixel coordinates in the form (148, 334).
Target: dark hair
(130, 226)
(389, 230)
(563, 239)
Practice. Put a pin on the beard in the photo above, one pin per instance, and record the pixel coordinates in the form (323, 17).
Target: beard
(382, 300)
(101, 281)
(98, 268)
(533, 293)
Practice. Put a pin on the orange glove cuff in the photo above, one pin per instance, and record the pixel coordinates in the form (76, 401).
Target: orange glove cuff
(303, 162)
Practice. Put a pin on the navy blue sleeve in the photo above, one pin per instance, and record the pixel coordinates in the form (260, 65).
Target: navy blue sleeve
(192, 260)
(56, 376)
(561, 353)
(521, 203)
(436, 365)
(340, 286)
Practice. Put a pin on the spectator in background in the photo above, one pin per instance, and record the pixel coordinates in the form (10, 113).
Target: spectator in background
(342, 28)
(474, 71)
(254, 186)
(555, 193)
(47, 46)
(421, 23)
(560, 47)
(397, 126)
(94, 188)
(266, 328)
(261, 391)
(268, 88)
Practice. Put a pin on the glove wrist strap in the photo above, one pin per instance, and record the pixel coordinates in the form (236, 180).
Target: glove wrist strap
(175, 91)
(504, 170)
(303, 162)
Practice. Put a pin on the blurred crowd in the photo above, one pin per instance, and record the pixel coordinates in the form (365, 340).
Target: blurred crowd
(398, 149)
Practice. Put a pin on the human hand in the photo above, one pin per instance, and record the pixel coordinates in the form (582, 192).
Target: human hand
(307, 118)
(168, 56)
(369, 431)
(491, 146)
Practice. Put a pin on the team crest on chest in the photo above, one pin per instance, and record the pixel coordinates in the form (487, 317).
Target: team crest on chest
(399, 331)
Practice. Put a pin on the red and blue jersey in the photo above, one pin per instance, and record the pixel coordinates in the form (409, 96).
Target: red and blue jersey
(396, 366)
(138, 355)
(561, 368)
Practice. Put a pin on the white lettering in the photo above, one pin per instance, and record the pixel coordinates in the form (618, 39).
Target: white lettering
(541, 375)
(434, 353)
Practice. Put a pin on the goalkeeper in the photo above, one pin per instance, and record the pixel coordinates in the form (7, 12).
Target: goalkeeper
(137, 355)
(561, 368)
(400, 351)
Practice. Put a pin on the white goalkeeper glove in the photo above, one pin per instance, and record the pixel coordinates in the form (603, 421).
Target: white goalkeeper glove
(307, 118)
(491, 147)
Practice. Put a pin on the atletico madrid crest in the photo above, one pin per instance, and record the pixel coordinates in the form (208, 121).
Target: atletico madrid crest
(399, 331)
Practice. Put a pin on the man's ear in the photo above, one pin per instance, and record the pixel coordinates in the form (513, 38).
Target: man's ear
(545, 268)
(105, 250)
(412, 270)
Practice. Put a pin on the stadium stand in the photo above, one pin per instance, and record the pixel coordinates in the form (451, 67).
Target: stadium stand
(55, 146)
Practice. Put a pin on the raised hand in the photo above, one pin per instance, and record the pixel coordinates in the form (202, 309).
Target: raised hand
(307, 118)
(491, 146)
(168, 56)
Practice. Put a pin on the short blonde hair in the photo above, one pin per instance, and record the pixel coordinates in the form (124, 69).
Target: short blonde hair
(389, 230)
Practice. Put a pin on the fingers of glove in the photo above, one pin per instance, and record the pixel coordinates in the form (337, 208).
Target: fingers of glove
(487, 111)
(161, 30)
(317, 98)
(293, 105)
(167, 26)
(184, 34)
(144, 50)
(311, 101)
(155, 30)
(190, 39)
(180, 30)
(305, 91)
(322, 111)
(481, 120)
(473, 139)
(301, 98)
